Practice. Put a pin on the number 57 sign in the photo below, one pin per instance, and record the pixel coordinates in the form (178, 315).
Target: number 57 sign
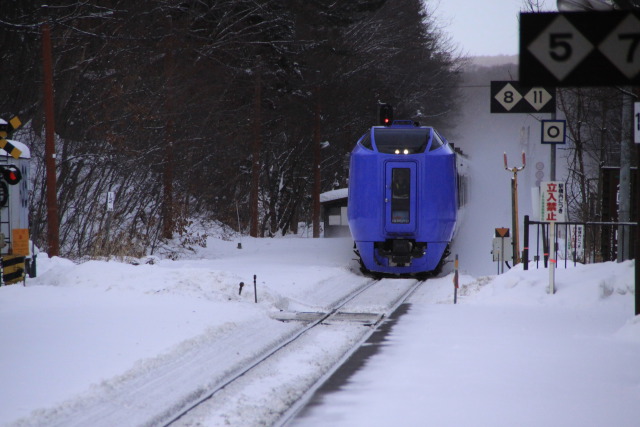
(580, 48)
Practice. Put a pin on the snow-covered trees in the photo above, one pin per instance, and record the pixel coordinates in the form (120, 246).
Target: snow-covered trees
(157, 102)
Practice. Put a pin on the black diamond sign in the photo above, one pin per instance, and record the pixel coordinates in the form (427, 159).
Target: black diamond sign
(512, 97)
(580, 48)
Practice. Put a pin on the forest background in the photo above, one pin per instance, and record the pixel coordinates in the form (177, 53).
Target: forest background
(167, 104)
(203, 109)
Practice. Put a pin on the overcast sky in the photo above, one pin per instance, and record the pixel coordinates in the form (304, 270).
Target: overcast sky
(487, 27)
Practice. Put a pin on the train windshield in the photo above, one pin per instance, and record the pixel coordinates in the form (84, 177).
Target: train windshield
(402, 141)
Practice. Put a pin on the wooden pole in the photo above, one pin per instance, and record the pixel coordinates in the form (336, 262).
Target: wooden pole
(514, 207)
(167, 173)
(255, 156)
(316, 168)
(53, 233)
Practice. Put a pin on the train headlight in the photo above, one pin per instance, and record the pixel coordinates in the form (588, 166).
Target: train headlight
(406, 151)
(397, 151)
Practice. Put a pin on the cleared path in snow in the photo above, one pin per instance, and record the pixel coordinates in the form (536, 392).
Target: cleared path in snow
(302, 367)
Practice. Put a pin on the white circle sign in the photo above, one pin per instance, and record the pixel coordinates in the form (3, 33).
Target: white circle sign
(553, 131)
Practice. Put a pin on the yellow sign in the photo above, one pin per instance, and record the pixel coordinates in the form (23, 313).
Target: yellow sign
(13, 269)
(10, 148)
(20, 241)
(15, 122)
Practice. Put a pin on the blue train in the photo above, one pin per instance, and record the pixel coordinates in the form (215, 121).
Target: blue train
(406, 186)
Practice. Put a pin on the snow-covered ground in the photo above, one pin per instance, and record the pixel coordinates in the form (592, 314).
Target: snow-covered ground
(507, 354)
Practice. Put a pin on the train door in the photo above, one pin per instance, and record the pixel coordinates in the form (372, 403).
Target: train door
(400, 197)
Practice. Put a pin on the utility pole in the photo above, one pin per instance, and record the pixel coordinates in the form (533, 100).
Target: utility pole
(255, 155)
(53, 236)
(316, 168)
(167, 174)
(514, 207)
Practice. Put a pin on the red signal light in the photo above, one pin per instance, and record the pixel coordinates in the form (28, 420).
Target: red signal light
(12, 175)
(386, 114)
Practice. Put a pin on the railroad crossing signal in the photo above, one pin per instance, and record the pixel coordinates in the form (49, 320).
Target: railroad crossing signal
(10, 148)
(580, 48)
(512, 97)
(6, 129)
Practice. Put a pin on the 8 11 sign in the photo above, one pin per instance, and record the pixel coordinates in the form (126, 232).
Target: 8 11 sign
(512, 97)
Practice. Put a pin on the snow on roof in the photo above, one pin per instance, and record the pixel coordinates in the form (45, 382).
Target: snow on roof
(328, 196)
(26, 153)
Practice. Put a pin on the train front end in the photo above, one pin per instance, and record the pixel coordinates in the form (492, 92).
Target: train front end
(402, 199)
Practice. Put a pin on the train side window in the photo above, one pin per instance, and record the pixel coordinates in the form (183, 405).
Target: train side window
(366, 141)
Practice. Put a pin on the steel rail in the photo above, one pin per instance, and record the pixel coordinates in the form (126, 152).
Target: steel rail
(300, 404)
(264, 356)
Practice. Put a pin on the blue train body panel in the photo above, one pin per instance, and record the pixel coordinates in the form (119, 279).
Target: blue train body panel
(403, 199)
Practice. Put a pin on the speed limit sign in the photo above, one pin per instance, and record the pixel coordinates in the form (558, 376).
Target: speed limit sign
(553, 131)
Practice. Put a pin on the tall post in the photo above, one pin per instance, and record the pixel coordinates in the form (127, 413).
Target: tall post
(637, 250)
(316, 168)
(514, 219)
(455, 281)
(552, 257)
(53, 237)
(624, 207)
(255, 156)
(525, 249)
(552, 155)
(167, 175)
(637, 204)
(514, 207)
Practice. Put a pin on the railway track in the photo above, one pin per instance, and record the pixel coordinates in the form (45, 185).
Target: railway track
(216, 378)
(355, 318)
